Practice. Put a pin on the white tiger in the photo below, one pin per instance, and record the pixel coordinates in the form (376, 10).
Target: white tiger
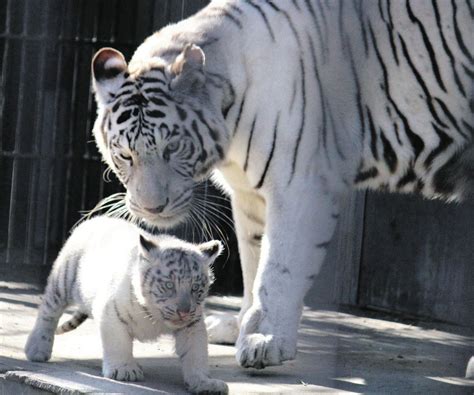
(136, 288)
(293, 102)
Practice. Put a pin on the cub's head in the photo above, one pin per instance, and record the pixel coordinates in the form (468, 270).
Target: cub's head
(158, 129)
(174, 278)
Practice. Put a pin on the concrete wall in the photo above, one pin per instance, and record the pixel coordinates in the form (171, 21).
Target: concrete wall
(418, 257)
(401, 254)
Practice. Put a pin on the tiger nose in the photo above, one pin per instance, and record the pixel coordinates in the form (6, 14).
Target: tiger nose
(157, 209)
(183, 314)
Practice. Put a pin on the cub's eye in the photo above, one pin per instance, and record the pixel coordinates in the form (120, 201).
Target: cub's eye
(169, 285)
(195, 287)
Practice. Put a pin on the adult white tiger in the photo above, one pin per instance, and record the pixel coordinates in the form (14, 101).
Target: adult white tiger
(293, 102)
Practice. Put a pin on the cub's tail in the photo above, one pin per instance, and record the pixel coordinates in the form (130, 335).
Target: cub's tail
(77, 319)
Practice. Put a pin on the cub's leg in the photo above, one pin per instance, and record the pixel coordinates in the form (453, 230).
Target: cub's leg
(249, 213)
(117, 347)
(57, 297)
(297, 234)
(191, 347)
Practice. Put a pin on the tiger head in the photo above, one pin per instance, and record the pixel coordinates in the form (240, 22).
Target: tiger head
(159, 130)
(173, 277)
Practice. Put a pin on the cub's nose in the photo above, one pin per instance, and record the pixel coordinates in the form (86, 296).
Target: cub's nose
(183, 314)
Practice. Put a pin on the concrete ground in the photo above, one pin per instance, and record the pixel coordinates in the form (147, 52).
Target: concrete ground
(338, 353)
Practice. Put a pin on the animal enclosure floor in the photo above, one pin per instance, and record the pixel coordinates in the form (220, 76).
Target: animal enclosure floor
(337, 352)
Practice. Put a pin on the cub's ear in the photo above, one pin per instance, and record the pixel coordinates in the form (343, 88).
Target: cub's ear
(211, 249)
(188, 69)
(109, 70)
(146, 245)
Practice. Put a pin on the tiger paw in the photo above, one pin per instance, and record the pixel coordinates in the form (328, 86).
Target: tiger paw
(208, 386)
(125, 372)
(39, 347)
(259, 351)
(222, 328)
(258, 346)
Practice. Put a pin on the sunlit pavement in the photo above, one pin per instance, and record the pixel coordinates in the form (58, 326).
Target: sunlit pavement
(338, 352)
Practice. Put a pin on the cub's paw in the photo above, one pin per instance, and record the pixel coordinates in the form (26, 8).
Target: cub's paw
(222, 328)
(39, 346)
(130, 371)
(208, 386)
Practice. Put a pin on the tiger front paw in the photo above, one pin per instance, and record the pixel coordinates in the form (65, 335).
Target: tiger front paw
(129, 371)
(259, 345)
(208, 386)
(39, 346)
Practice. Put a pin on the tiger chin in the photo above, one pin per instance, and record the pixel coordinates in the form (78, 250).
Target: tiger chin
(293, 104)
(135, 286)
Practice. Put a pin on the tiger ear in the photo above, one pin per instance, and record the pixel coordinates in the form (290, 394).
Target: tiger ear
(109, 70)
(211, 249)
(188, 69)
(146, 245)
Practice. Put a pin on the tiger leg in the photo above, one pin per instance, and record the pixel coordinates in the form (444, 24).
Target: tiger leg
(56, 299)
(191, 346)
(117, 347)
(293, 249)
(248, 211)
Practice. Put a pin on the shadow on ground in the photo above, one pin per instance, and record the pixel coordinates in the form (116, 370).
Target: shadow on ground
(338, 352)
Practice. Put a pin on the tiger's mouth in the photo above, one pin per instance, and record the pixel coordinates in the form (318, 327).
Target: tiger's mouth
(181, 323)
(165, 222)
(162, 220)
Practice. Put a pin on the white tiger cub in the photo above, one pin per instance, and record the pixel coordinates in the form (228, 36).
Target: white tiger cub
(136, 288)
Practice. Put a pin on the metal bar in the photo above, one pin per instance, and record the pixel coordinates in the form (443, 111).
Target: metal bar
(51, 157)
(37, 129)
(113, 28)
(59, 70)
(152, 16)
(18, 124)
(135, 24)
(111, 34)
(95, 33)
(7, 18)
(48, 214)
(22, 36)
(4, 70)
(74, 40)
(67, 196)
(88, 128)
(70, 153)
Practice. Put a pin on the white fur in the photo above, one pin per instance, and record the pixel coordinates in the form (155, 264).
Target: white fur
(222, 328)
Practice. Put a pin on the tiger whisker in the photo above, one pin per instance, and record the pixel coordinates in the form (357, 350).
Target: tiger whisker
(209, 221)
(214, 212)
